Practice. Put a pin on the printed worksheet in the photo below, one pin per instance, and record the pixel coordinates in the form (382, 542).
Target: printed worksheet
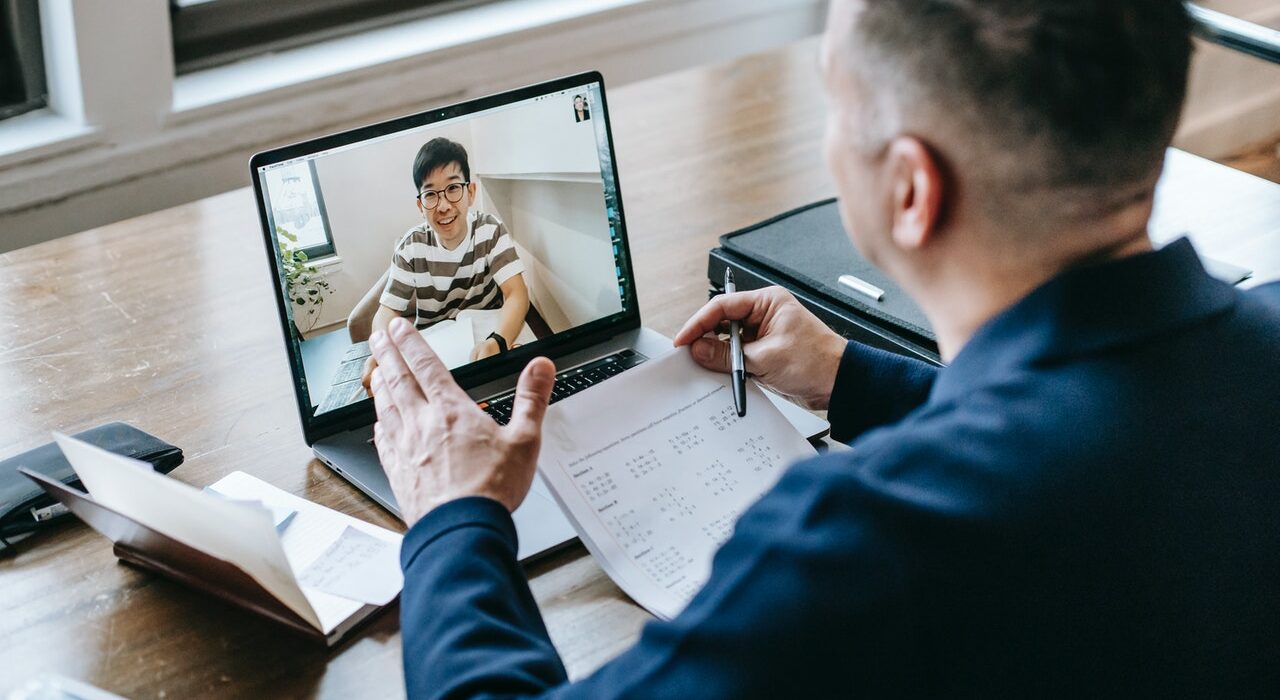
(653, 468)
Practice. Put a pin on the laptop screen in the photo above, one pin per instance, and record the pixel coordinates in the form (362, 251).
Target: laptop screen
(495, 228)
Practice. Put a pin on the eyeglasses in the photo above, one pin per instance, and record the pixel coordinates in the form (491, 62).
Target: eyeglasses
(431, 198)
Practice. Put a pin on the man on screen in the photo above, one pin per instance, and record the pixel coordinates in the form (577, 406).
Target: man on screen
(456, 259)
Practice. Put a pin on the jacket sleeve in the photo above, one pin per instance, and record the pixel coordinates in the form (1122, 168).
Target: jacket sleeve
(470, 625)
(801, 602)
(874, 388)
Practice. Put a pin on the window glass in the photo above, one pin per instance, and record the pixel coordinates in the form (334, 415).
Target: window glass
(297, 207)
(22, 83)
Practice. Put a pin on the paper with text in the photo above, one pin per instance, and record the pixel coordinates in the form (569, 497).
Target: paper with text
(357, 566)
(312, 532)
(653, 468)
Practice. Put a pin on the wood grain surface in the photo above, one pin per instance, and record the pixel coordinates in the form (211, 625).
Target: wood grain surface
(167, 321)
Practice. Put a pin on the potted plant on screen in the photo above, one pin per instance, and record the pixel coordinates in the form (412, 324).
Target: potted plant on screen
(307, 286)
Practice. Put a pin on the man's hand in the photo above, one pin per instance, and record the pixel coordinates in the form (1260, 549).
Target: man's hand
(787, 348)
(435, 444)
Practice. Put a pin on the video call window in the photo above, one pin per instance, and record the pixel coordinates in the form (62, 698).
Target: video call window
(503, 222)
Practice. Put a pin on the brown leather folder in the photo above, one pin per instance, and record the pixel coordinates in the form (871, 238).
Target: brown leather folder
(138, 544)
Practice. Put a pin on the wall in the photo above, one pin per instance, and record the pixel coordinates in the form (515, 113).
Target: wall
(541, 175)
(564, 242)
(540, 137)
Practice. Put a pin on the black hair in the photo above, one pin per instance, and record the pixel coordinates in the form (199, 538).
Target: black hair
(437, 153)
(1100, 82)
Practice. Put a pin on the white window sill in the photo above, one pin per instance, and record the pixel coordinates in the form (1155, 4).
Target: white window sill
(223, 87)
(327, 265)
(42, 134)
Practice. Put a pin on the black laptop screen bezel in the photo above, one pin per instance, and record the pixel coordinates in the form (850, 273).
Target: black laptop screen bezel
(316, 427)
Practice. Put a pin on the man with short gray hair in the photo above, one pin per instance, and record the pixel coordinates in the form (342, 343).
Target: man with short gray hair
(1082, 503)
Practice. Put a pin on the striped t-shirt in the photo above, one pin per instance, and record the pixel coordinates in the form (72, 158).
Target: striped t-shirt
(433, 283)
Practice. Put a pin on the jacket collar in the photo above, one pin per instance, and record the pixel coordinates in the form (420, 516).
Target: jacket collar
(1087, 310)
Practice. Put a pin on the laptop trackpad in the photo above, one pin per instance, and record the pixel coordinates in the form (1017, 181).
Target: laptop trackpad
(539, 522)
(805, 423)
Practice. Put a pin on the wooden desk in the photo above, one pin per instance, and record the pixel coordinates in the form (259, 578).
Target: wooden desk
(167, 321)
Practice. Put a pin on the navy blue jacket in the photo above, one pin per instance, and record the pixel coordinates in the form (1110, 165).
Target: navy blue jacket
(1085, 503)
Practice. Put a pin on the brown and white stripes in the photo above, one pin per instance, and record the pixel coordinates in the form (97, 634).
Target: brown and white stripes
(439, 283)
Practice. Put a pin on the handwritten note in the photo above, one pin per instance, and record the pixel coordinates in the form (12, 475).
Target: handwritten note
(357, 566)
(654, 467)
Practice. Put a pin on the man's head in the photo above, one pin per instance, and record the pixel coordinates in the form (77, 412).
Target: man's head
(1025, 131)
(441, 174)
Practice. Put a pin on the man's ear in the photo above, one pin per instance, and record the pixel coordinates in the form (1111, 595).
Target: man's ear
(421, 209)
(918, 190)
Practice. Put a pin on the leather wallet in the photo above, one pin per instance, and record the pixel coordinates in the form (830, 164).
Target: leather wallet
(24, 506)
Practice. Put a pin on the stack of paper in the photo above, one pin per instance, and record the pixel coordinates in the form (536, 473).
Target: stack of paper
(654, 467)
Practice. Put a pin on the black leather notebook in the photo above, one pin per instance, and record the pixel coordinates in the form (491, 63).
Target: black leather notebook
(809, 247)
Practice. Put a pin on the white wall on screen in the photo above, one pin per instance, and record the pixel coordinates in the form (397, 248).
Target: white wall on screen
(538, 138)
(541, 170)
(563, 236)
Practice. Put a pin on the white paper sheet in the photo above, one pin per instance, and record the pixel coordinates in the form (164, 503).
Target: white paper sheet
(313, 530)
(485, 321)
(357, 566)
(240, 533)
(653, 468)
(280, 517)
(452, 340)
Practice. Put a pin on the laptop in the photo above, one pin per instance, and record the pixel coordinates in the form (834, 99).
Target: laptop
(496, 225)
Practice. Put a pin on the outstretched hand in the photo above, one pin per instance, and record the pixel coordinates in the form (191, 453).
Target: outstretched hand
(435, 443)
(787, 348)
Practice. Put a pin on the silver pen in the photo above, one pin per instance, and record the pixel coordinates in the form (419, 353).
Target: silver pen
(737, 361)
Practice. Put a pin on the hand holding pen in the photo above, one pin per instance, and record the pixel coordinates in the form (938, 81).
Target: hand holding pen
(786, 348)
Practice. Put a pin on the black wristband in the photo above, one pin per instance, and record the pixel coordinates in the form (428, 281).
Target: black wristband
(502, 342)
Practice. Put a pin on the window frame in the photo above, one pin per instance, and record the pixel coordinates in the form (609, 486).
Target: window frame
(210, 33)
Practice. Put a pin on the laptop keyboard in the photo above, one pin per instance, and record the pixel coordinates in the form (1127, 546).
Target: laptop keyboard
(569, 382)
